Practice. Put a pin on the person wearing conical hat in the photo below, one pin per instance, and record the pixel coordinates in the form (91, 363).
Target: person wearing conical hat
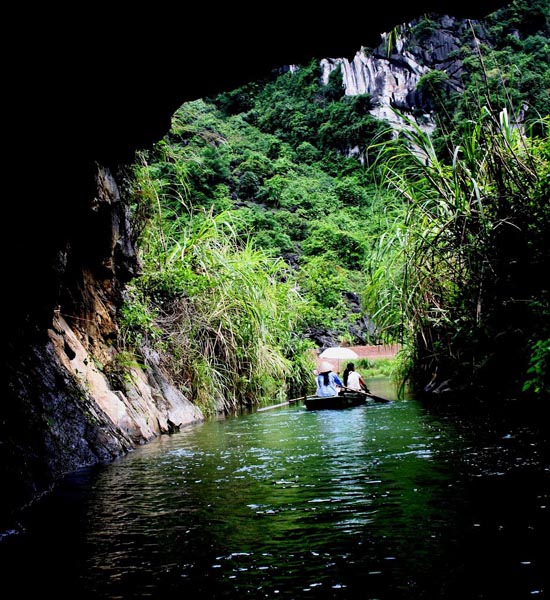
(327, 381)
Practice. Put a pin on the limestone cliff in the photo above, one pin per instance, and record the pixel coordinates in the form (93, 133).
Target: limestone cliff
(391, 78)
(77, 399)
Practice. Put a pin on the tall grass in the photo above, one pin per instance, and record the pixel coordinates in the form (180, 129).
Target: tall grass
(225, 310)
(467, 268)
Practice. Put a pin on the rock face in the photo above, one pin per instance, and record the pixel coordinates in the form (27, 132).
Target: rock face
(141, 406)
(391, 79)
(67, 405)
(83, 97)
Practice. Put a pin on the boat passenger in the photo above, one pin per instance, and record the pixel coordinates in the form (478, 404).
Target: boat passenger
(353, 380)
(328, 382)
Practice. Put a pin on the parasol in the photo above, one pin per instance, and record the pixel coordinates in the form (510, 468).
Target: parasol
(338, 353)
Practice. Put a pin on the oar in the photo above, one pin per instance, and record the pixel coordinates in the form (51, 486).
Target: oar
(273, 406)
(291, 401)
(373, 396)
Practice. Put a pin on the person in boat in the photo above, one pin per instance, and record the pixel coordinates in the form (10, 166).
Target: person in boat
(353, 380)
(328, 382)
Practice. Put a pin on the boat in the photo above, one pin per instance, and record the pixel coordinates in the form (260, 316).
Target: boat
(345, 400)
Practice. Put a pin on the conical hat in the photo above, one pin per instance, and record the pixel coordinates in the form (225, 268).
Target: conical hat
(324, 367)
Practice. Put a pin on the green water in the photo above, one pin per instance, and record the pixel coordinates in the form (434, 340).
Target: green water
(374, 502)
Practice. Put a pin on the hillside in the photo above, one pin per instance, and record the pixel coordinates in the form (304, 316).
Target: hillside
(297, 160)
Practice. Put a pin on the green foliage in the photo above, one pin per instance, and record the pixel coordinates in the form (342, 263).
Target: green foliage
(512, 73)
(227, 313)
(435, 85)
(307, 153)
(323, 283)
(473, 229)
(274, 193)
(424, 29)
(441, 247)
(298, 109)
(345, 126)
(537, 380)
(380, 367)
(326, 237)
(334, 90)
(137, 320)
(351, 191)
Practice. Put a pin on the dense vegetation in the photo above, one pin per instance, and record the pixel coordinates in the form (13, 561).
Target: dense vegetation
(283, 215)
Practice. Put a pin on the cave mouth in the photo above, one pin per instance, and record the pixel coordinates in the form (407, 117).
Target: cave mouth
(91, 93)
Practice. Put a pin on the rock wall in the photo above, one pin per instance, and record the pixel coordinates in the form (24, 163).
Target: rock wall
(391, 78)
(67, 398)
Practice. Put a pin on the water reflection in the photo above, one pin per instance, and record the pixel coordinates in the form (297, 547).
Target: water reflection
(377, 502)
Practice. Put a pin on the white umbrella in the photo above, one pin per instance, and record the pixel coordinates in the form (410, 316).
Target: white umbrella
(338, 353)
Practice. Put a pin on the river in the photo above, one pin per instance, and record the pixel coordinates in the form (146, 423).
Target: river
(378, 502)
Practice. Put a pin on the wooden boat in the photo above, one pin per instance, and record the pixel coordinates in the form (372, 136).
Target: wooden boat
(344, 400)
